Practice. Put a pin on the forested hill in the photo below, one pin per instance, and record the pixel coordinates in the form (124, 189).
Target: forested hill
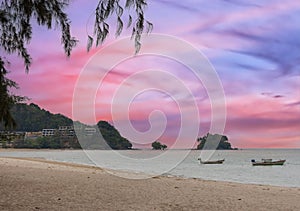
(112, 136)
(32, 118)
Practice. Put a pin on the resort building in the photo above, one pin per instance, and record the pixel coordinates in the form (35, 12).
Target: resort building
(62, 128)
(48, 132)
(66, 131)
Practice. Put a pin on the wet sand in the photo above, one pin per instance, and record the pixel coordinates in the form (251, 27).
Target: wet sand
(37, 184)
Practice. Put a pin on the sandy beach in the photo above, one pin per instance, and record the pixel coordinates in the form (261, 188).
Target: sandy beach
(36, 184)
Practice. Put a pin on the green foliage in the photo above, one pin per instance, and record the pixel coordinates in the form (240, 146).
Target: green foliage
(16, 19)
(7, 139)
(216, 141)
(31, 118)
(158, 146)
(48, 142)
(112, 136)
(7, 99)
(4, 145)
(163, 147)
(106, 137)
(107, 8)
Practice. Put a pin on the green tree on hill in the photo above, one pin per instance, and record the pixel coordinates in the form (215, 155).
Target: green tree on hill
(32, 118)
(112, 136)
(212, 142)
(163, 147)
(158, 146)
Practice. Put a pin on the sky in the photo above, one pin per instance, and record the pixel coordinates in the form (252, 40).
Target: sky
(254, 47)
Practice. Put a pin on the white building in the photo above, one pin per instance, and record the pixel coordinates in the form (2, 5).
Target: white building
(48, 132)
(62, 128)
(66, 131)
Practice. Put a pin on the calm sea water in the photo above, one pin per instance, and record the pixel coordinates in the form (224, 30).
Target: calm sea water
(236, 168)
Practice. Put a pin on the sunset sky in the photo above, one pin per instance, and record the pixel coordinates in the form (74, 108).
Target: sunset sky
(254, 48)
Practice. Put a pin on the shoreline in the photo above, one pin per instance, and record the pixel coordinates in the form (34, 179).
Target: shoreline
(135, 173)
(127, 173)
(32, 183)
(115, 172)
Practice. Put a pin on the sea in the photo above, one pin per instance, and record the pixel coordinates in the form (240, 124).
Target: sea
(183, 163)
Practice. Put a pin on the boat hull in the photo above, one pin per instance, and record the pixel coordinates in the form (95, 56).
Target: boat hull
(272, 163)
(212, 162)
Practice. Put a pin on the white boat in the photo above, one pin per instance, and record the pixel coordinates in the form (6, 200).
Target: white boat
(267, 162)
(211, 161)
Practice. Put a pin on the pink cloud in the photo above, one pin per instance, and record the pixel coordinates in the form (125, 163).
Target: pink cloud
(253, 120)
